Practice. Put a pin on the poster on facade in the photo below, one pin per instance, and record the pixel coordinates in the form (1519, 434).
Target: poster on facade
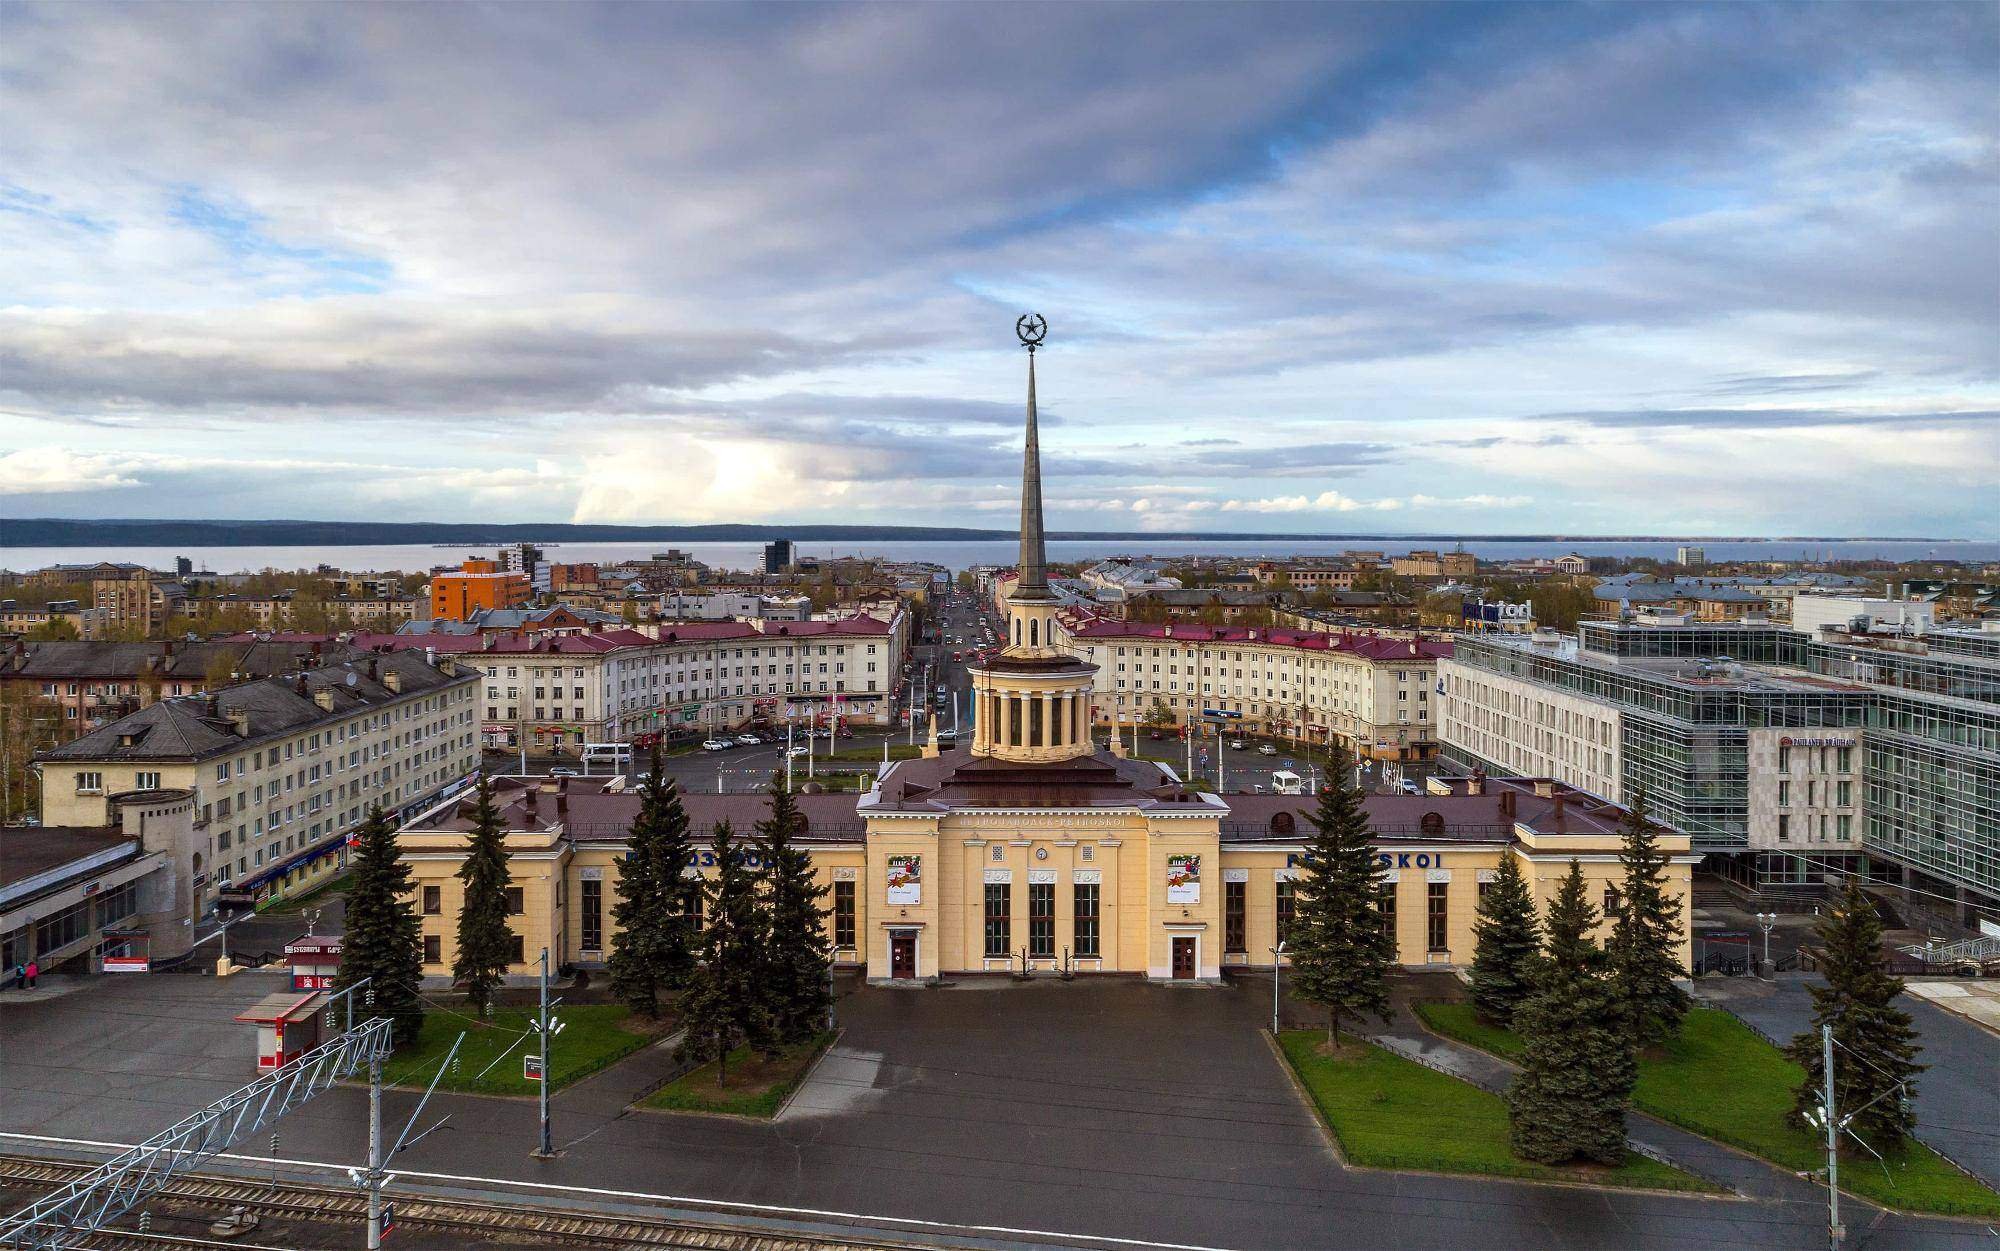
(906, 880)
(1183, 879)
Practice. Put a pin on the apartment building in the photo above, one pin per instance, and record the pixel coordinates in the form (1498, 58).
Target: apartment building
(16, 618)
(557, 692)
(1427, 564)
(280, 769)
(1308, 577)
(1781, 754)
(280, 609)
(1370, 692)
(477, 584)
(95, 682)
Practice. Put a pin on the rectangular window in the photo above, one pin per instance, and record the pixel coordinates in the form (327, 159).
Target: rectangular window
(998, 918)
(1287, 900)
(433, 949)
(1086, 919)
(1235, 919)
(515, 905)
(1440, 936)
(1385, 904)
(1784, 828)
(1784, 757)
(433, 901)
(843, 914)
(515, 953)
(591, 897)
(1041, 919)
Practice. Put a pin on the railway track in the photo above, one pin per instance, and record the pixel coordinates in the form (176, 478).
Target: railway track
(534, 1222)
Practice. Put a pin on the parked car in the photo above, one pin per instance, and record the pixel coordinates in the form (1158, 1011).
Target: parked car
(1237, 744)
(795, 751)
(717, 744)
(562, 771)
(748, 740)
(1265, 749)
(1410, 787)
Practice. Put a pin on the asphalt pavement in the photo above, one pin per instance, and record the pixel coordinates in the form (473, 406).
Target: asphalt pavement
(1108, 1108)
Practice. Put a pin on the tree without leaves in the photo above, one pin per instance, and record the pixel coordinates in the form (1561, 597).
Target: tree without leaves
(383, 941)
(1339, 949)
(653, 951)
(1645, 941)
(1577, 1064)
(797, 954)
(485, 943)
(722, 1007)
(1875, 1046)
(1507, 942)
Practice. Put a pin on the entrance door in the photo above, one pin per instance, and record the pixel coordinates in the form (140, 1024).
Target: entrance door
(1183, 959)
(902, 954)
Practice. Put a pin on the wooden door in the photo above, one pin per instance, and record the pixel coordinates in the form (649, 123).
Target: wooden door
(1184, 959)
(902, 954)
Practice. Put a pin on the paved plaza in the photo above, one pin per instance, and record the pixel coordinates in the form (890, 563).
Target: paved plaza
(1113, 1109)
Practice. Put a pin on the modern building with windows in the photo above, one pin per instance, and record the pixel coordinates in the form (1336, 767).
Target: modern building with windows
(1784, 754)
(1030, 849)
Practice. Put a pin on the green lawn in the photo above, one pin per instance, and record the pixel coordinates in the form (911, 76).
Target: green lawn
(593, 1036)
(1388, 1112)
(756, 1088)
(1722, 1081)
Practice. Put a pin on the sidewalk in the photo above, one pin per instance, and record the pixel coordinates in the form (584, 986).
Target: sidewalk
(1974, 1000)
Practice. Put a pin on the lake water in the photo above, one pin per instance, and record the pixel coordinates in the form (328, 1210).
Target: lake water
(412, 557)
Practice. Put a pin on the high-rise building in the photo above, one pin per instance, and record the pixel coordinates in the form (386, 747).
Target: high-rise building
(1690, 557)
(778, 555)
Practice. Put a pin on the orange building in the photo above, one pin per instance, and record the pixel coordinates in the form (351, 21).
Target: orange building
(479, 583)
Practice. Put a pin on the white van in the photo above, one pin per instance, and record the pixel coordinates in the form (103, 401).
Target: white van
(1285, 782)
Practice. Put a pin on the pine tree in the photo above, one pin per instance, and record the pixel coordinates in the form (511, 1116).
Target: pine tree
(722, 1007)
(653, 951)
(798, 956)
(1339, 950)
(1577, 1063)
(1645, 940)
(1508, 941)
(1874, 1045)
(485, 943)
(383, 942)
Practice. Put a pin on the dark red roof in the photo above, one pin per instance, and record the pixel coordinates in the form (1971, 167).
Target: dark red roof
(1372, 646)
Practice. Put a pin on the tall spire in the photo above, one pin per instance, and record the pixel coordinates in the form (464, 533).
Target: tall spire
(1034, 579)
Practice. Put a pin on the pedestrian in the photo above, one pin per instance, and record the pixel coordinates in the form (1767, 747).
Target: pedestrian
(33, 973)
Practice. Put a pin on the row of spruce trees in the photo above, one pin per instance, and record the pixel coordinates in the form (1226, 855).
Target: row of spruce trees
(744, 955)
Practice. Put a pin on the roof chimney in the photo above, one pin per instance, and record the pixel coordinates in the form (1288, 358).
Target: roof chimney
(1545, 787)
(1556, 817)
(1507, 804)
(299, 682)
(1476, 784)
(394, 681)
(239, 720)
(324, 698)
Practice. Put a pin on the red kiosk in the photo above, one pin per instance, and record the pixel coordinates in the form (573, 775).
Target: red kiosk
(287, 1026)
(315, 962)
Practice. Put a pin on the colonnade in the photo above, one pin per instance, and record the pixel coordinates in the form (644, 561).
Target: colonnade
(1037, 718)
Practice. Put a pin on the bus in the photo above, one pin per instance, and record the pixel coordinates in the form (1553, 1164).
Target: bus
(617, 755)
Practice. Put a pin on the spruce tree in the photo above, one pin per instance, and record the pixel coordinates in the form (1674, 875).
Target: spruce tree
(798, 956)
(1577, 1063)
(485, 943)
(1339, 950)
(653, 951)
(1507, 942)
(1646, 937)
(722, 1007)
(1874, 1044)
(383, 941)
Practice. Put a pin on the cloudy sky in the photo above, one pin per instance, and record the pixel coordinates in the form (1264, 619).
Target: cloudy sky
(1333, 268)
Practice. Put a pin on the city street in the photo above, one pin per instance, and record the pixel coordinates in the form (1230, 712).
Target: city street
(1110, 1108)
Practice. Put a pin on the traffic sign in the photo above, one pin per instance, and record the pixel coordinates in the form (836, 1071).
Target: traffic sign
(388, 1218)
(1221, 712)
(531, 1068)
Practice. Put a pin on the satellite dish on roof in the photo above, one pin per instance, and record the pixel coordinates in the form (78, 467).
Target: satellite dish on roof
(352, 679)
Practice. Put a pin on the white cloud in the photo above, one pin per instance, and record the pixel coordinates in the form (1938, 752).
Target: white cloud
(54, 470)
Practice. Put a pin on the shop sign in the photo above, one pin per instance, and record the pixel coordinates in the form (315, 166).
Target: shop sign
(531, 1068)
(1184, 879)
(906, 880)
(127, 964)
(1388, 859)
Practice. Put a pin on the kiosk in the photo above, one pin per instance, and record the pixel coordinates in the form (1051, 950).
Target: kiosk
(315, 962)
(287, 1026)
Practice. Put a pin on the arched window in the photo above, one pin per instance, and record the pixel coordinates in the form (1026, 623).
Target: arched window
(1017, 631)
(1034, 633)
(1432, 824)
(1282, 823)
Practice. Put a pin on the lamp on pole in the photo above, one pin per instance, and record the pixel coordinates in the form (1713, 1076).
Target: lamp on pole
(1277, 969)
(1767, 921)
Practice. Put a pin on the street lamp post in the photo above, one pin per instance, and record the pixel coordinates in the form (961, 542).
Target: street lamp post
(1767, 921)
(1277, 969)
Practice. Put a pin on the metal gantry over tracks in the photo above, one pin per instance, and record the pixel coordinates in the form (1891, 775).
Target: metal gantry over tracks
(129, 1179)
